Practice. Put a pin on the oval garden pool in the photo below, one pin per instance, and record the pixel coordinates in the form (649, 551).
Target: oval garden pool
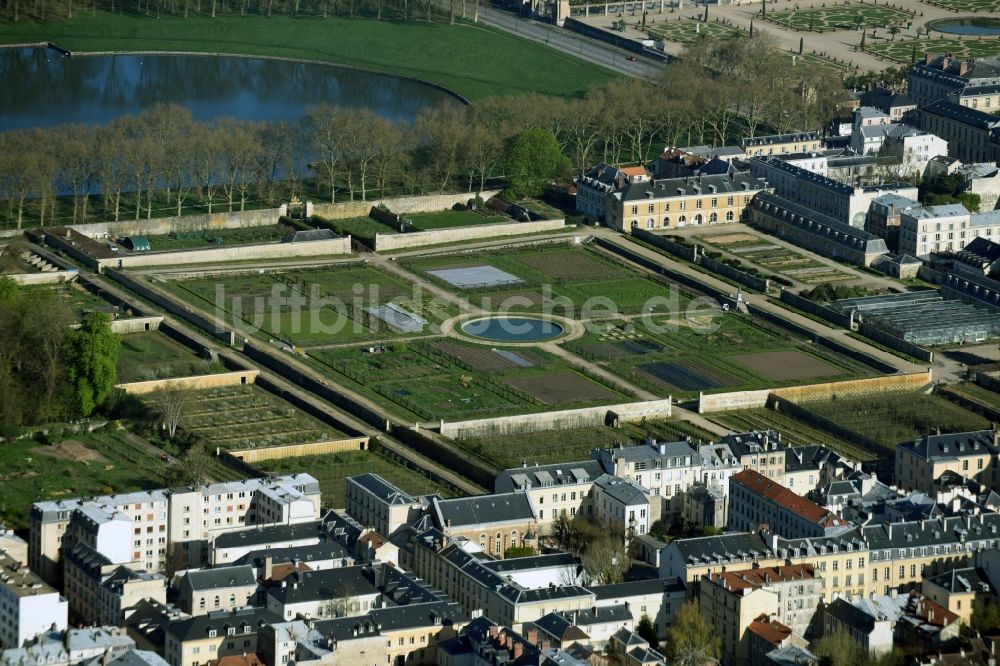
(967, 25)
(512, 329)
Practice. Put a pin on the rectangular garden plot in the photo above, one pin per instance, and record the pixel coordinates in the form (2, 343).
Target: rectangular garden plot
(688, 375)
(475, 277)
(786, 365)
(154, 355)
(561, 388)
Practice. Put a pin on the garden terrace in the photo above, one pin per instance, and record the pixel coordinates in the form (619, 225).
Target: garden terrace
(247, 417)
(839, 17)
(907, 50)
(452, 380)
(154, 355)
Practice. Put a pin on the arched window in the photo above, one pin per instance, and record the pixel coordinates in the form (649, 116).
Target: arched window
(729, 216)
(513, 538)
(635, 223)
(650, 223)
(713, 218)
(216, 601)
(666, 222)
(482, 541)
(697, 218)
(682, 220)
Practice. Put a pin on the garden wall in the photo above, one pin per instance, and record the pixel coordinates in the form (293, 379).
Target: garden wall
(805, 415)
(721, 402)
(567, 418)
(197, 383)
(459, 461)
(252, 456)
(51, 277)
(735, 274)
(185, 313)
(316, 248)
(388, 242)
(282, 366)
(136, 325)
(162, 226)
(688, 253)
(814, 308)
(430, 203)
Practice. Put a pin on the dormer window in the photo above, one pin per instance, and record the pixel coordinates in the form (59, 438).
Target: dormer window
(212, 633)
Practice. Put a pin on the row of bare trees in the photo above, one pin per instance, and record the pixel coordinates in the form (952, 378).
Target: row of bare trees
(164, 162)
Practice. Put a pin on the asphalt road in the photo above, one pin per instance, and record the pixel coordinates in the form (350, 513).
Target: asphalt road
(571, 42)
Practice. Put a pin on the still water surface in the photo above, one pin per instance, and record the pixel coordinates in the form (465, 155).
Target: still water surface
(41, 88)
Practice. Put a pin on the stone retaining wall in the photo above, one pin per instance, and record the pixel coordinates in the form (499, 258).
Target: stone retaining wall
(316, 248)
(136, 325)
(162, 226)
(51, 277)
(389, 242)
(722, 402)
(252, 456)
(567, 418)
(196, 383)
(430, 203)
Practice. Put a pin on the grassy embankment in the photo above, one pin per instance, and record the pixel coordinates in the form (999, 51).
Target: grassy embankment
(474, 61)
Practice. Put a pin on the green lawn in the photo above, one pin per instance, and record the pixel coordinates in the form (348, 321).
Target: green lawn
(332, 470)
(154, 355)
(473, 60)
(217, 238)
(453, 218)
(103, 461)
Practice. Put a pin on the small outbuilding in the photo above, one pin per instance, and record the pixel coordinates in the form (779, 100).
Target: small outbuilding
(136, 243)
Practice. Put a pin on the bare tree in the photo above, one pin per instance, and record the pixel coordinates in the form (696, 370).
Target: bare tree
(171, 404)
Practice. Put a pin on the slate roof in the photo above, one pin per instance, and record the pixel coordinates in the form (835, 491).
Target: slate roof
(951, 446)
(626, 492)
(962, 581)
(484, 510)
(560, 628)
(537, 476)
(322, 551)
(728, 547)
(639, 587)
(265, 534)
(885, 99)
(734, 183)
(818, 224)
(935, 531)
(850, 615)
(962, 114)
(220, 577)
(198, 627)
(138, 658)
(382, 489)
(779, 138)
(306, 586)
(509, 564)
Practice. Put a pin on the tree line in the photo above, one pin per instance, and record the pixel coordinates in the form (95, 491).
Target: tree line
(48, 370)
(164, 162)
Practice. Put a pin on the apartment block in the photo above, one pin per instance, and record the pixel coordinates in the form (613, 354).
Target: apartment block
(28, 605)
(757, 501)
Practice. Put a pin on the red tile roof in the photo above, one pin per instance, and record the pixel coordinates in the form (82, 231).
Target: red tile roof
(634, 171)
(782, 496)
(770, 630)
(374, 539)
(751, 579)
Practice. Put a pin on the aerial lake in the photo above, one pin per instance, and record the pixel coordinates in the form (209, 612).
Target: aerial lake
(43, 88)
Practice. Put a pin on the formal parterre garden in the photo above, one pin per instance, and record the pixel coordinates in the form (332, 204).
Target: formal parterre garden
(967, 5)
(313, 307)
(839, 17)
(446, 379)
(246, 417)
(558, 278)
(722, 352)
(332, 470)
(154, 355)
(686, 30)
(908, 50)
